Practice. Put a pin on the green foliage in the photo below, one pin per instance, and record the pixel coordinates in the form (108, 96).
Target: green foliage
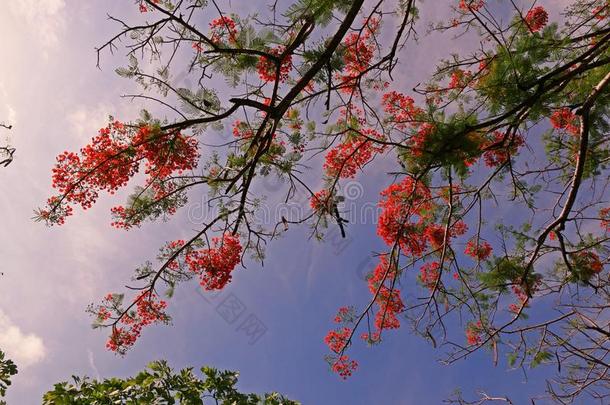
(450, 143)
(502, 272)
(158, 384)
(541, 357)
(196, 103)
(144, 203)
(512, 74)
(7, 370)
(320, 10)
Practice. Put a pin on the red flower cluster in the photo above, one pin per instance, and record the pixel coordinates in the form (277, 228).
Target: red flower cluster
(429, 274)
(459, 79)
(407, 219)
(601, 12)
(144, 8)
(58, 212)
(604, 214)
(564, 118)
(105, 164)
(477, 250)
(536, 18)
(223, 28)
(521, 298)
(103, 313)
(401, 109)
(267, 69)
(435, 234)
(403, 113)
(474, 5)
(321, 202)
(474, 332)
(419, 139)
(344, 314)
(389, 303)
(498, 150)
(406, 206)
(589, 262)
(344, 366)
(165, 153)
(214, 265)
(123, 217)
(242, 130)
(111, 159)
(356, 150)
(345, 159)
(149, 310)
(336, 340)
(359, 51)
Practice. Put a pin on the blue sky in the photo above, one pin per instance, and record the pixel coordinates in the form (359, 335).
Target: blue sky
(56, 98)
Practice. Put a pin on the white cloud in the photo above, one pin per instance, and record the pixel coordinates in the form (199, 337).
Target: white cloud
(44, 18)
(92, 364)
(12, 115)
(86, 121)
(8, 115)
(23, 349)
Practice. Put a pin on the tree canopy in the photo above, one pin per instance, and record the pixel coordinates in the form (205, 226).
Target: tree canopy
(159, 384)
(313, 96)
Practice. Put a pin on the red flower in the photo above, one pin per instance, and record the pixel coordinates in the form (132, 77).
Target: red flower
(166, 154)
(459, 79)
(344, 314)
(321, 202)
(429, 274)
(401, 110)
(242, 130)
(214, 265)
(345, 159)
(388, 300)
(601, 12)
(356, 150)
(405, 208)
(498, 149)
(111, 159)
(143, 8)
(474, 5)
(435, 235)
(522, 299)
(149, 310)
(604, 214)
(222, 28)
(268, 70)
(474, 332)
(477, 250)
(336, 340)
(536, 18)
(564, 118)
(359, 51)
(344, 366)
(588, 261)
